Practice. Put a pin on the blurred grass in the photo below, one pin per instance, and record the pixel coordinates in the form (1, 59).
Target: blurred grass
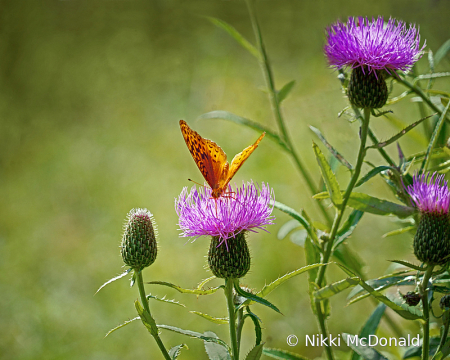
(91, 94)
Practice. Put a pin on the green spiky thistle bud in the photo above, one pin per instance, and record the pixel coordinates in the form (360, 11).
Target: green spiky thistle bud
(432, 239)
(367, 89)
(139, 246)
(230, 259)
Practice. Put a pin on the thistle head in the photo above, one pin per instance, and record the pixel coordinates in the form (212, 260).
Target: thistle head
(371, 49)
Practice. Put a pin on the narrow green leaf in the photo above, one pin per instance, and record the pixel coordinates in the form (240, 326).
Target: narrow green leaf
(175, 351)
(331, 149)
(122, 325)
(373, 205)
(286, 228)
(146, 318)
(442, 51)
(399, 231)
(368, 353)
(408, 264)
(255, 353)
(236, 35)
(282, 354)
(312, 255)
(344, 255)
(294, 214)
(214, 350)
(257, 325)
(285, 90)
(163, 299)
(254, 298)
(328, 176)
(187, 291)
(398, 135)
(196, 335)
(226, 115)
(434, 137)
(210, 318)
(371, 174)
(399, 124)
(432, 76)
(267, 289)
(445, 351)
(384, 282)
(113, 279)
(347, 229)
(380, 297)
(335, 288)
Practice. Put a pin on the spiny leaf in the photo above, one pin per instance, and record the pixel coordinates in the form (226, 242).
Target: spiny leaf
(187, 291)
(215, 351)
(331, 149)
(256, 323)
(255, 353)
(373, 205)
(175, 351)
(371, 174)
(210, 318)
(254, 298)
(328, 176)
(113, 279)
(399, 231)
(335, 288)
(194, 334)
(432, 76)
(380, 297)
(226, 115)
(285, 90)
(267, 289)
(163, 299)
(122, 325)
(236, 35)
(408, 264)
(399, 135)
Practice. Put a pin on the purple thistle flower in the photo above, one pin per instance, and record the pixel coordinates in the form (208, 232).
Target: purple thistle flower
(373, 44)
(430, 195)
(225, 217)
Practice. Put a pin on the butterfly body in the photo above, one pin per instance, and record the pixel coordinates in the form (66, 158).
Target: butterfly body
(212, 161)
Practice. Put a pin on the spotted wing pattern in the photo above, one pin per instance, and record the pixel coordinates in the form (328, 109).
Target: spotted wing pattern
(212, 161)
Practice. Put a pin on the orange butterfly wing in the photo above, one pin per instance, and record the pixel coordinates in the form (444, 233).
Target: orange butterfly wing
(211, 160)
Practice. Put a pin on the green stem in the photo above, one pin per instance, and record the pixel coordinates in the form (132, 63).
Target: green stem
(275, 105)
(351, 185)
(421, 94)
(323, 328)
(423, 289)
(229, 283)
(154, 332)
(240, 325)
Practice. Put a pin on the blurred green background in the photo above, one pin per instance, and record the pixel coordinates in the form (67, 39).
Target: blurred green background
(91, 95)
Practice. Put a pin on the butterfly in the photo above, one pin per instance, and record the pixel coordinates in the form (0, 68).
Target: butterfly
(212, 160)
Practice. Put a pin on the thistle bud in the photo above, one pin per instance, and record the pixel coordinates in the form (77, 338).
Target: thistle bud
(230, 259)
(139, 246)
(367, 89)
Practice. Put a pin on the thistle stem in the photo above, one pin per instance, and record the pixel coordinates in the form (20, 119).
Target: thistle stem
(351, 185)
(423, 290)
(275, 105)
(154, 332)
(229, 283)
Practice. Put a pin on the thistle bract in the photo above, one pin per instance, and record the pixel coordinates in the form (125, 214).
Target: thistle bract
(139, 248)
(432, 197)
